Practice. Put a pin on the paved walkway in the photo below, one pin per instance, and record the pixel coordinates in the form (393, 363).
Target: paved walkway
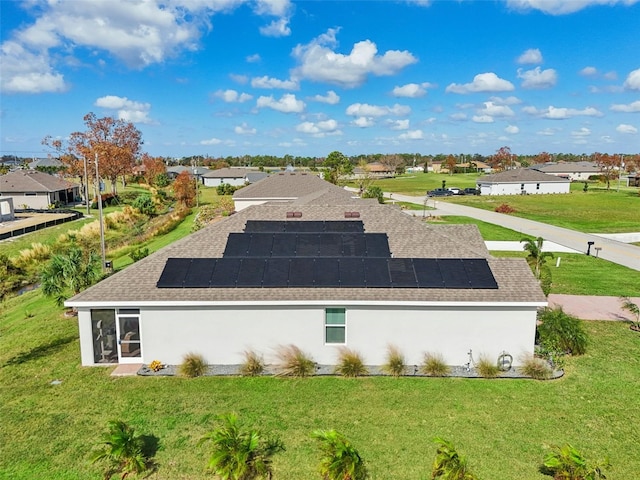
(592, 307)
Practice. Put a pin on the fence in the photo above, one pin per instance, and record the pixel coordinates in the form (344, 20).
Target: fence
(72, 215)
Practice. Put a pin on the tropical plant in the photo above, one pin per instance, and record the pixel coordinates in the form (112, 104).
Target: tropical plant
(536, 257)
(486, 368)
(340, 460)
(253, 364)
(241, 454)
(193, 365)
(633, 308)
(560, 332)
(69, 273)
(567, 463)
(433, 365)
(293, 362)
(535, 367)
(122, 451)
(449, 464)
(139, 253)
(374, 191)
(350, 363)
(394, 363)
(145, 205)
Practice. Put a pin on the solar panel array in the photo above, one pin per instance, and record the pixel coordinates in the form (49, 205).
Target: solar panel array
(319, 254)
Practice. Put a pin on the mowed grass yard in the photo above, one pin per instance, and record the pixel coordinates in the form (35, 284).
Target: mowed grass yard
(504, 426)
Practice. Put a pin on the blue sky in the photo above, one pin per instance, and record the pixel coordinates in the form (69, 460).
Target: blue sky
(276, 77)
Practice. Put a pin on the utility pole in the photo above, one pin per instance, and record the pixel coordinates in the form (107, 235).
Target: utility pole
(99, 198)
(620, 171)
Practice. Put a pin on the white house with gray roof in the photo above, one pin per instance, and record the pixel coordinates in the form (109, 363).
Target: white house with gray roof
(322, 273)
(574, 171)
(522, 181)
(37, 190)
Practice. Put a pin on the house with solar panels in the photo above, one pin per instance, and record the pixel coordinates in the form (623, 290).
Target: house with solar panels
(321, 271)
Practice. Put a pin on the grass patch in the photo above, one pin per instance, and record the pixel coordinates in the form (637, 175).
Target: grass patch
(48, 431)
(489, 231)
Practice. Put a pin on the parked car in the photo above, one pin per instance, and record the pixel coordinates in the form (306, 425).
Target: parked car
(471, 191)
(439, 192)
(456, 190)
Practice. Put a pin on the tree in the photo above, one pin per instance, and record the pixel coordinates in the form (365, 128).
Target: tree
(451, 163)
(609, 165)
(536, 257)
(153, 167)
(337, 165)
(449, 464)
(69, 273)
(240, 454)
(633, 308)
(560, 332)
(122, 450)
(364, 179)
(502, 159)
(184, 189)
(567, 463)
(71, 164)
(340, 460)
(392, 162)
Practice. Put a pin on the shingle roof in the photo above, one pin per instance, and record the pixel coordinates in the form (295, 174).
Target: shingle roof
(408, 238)
(32, 181)
(227, 173)
(520, 175)
(284, 185)
(567, 167)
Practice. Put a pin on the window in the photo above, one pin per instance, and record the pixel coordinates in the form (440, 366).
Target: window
(335, 325)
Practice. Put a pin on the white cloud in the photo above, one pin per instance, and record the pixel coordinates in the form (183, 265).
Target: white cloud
(482, 119)
(493, 110)
(244, 129)
(549, 132)
(277, 8)
(588, 71)
(270, 83)
(24, 71)
(399, 124)
(319, 129)
(632, 107)
(458, 116)
(505, 101)
(633, 80)
(611, 76)
(240, 79)
(538, 78)
(561, 7)
(555, 113)
(512, 129)
(255, 58)
(483, 82)
(331, 98)
(412, 135)
(533, 56)
(364, 109)
(211, 141)
(277, 28)
(363, 122)
(288, 103)
(231, 96)
(319, 63)
(624, 128)
(412, 90)
(128, 110)
(583, 132)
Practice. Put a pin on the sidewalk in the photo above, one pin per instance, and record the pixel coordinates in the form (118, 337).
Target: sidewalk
(592, 307)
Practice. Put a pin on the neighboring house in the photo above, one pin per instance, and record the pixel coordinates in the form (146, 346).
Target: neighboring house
(522, 181)
(476, 166)
(199, 172)
(253, 177)
(320, 275)
(34, 189)
(46, 164)
(373, 170)
(574, 171)
(6, 209)
(633, 180)
(235, 177)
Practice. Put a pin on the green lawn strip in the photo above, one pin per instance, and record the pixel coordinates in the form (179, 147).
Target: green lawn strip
(489, 231)
(418, 183)
(579, 274)
(48, 431)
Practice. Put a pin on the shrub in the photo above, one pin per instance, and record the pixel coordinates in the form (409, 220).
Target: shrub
(253, 364)
(340, 459)
(293, 362)
(567, 463)
(449, 464)
(433, 365)
(486, 368)
(394, 364)
(560, 332)
(144, 204)
(193, 365)
(161, 180)
(34, 255)
(536, 367)
(374, 192)
(350, 363)
(504, 208)
(139, 253)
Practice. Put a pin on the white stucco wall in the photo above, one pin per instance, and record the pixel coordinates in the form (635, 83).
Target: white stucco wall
(529, 188)
(214, 182)
(222, 334)
(39, 201)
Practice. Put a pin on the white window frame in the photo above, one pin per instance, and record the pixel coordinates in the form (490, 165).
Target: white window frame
(335, 325)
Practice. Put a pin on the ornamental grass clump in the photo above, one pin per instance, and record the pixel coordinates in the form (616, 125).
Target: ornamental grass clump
(253, 364)
(486, 368)
(293, 362)
(350, 363)
(433, 365)
(394, 363)
(535, 367)
(193, 365)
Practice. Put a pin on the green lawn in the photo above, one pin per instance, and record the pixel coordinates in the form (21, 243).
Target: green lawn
(504, 426)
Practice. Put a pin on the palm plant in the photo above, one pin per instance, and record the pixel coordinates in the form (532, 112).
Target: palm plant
(561, 332)
(241, 454)
(633, 308)
(536, 258)
(68, 274)
(340, 460)
(449, 464)
(122, 450)
(567, 463)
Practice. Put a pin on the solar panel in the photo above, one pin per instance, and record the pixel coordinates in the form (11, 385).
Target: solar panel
(428, 273)
(200, 272)
(251, 272)
(276, 272)
(353, 245)
(304, 227)
(342, 226)
(326, 272)
(237, 245)
(301, 272)
(351, 272)
(402, 274)
(265, 226)
(330, 245)
(260, 245)
(308, 245)
(453, 273)
(377, 245)
(376, 272)
(174, 272)
(479, 273)
(226, 272)
(284, 245)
